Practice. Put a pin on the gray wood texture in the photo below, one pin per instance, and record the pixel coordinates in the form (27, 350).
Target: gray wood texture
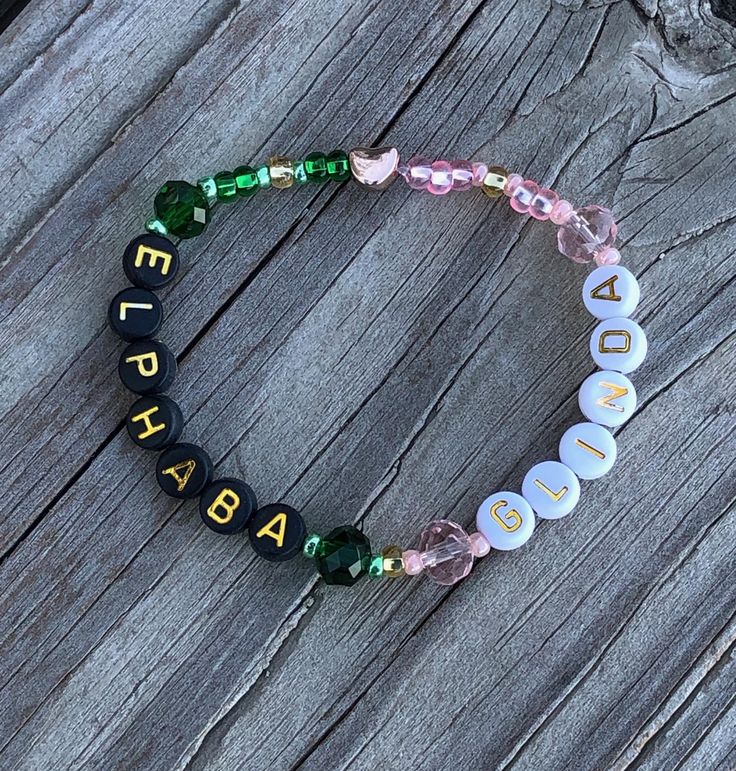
(377, 359)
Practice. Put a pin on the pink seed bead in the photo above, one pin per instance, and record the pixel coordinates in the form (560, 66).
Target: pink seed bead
(522, 197)
(479, 173)
(462, 175)
(479, 544)
(608, 256)
(542, 204)
(561, 212)
(419, 172)
(441, 180)
(512, 182)
(412, 562)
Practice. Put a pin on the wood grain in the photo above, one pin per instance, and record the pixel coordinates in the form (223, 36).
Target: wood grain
(381, 360)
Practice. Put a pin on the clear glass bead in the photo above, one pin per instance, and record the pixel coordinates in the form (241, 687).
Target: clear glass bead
(587, 232)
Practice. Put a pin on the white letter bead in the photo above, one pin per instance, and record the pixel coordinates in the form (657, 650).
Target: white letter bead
(552, 489)
(588, 449)
(607, 398)
(618, 344)
(506, 520)
(611, 291)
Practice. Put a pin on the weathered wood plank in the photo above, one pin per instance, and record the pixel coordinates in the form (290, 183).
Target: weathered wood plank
(372, 351)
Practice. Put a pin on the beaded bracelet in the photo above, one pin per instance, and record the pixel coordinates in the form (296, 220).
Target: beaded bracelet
(277, 532)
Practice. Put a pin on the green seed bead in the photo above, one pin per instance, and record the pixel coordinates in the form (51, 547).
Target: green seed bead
(209, 187)
(264, 177)
(375, 568)
(315, 166)
(338, 166)
(227, 190)
(156, 226)
(311, 545)
(246, 180)
(300, 173)
(182, 208)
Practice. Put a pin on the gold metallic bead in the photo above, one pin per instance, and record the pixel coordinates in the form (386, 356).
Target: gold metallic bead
(282, 171)
(495, 181)
(393, 564)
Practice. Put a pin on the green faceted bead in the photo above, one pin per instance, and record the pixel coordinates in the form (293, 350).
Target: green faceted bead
(226, 188)
(300, 173)
(156, 226)
(246, 180)
(344, 556)
(315, 167)
(182, 208)
(338, 166)
(311, 545)
(375, 569)
(264, 177)
(209, 187)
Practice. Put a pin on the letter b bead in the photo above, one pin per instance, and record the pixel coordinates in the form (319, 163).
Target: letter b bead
(227, 505)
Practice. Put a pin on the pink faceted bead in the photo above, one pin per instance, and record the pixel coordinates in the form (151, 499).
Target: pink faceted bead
(512, 182)
(479, 544)
(522, 197)
(412, 562)
(542, 204)
(561, 212)
(441, 181)
(608, 256)
(462, 175)
(479, 173)
(588, 231)
(419, 172)
(447, 553)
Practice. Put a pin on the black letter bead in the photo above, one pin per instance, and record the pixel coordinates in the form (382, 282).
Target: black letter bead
(135, 313)
(154, 422)
(184, 470)
(227, 505)
(147, 367)
(277, 532)
(150, 261)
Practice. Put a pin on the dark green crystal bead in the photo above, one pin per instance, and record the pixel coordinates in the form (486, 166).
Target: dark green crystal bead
(246, 180)
(315, 167)
(182, 208)
(344, 556)
(338, 166)
(226, 188)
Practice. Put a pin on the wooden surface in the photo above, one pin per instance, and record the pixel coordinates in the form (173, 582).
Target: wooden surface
(382, 360)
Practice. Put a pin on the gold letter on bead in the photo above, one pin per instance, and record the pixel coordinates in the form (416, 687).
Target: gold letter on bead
(125, 307)
(511, 516)
(153, 255)
(554, 496)
(616, 392)
(140, 362)
(277, 535)
(609, 284)
(623, 347)
(187, 466)
(146, 418)
(227, 500)
(585, 446)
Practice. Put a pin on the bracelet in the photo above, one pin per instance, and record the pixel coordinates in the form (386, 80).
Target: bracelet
(277, 532)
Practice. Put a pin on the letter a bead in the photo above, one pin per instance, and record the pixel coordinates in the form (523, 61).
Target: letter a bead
(607, 398)
(588, 449)
(506, 520)
(552, 489)
(611, 291)
(184, 470)
(619, 344)
(277, 532)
